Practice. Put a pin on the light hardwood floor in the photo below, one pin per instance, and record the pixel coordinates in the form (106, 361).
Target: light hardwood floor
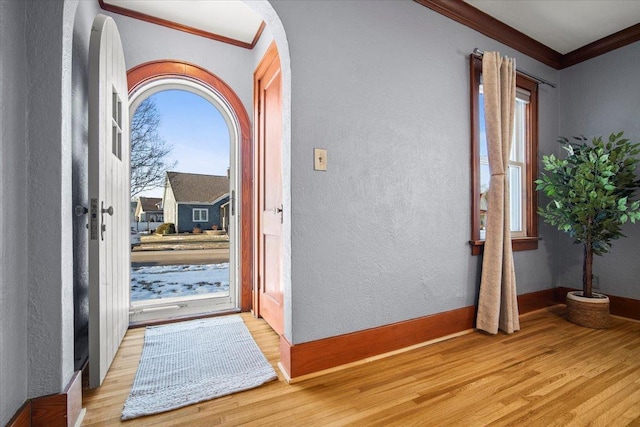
(550, 373)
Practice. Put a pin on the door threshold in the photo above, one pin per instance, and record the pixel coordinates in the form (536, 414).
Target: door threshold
(144, 324)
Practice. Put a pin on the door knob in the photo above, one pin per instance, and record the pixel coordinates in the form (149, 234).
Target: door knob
(80, 210)
(103, 227)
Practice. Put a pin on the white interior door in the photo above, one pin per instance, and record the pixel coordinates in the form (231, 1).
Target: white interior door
(109, 247)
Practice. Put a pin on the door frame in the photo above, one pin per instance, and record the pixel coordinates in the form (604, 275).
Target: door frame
(265, 63)
(153, 310)
(149, 72)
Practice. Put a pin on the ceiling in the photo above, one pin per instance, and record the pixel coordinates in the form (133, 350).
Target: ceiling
(229, 20)
(563, 25)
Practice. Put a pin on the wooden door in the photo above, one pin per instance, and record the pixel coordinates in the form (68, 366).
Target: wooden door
(268, 87)
(109, 157)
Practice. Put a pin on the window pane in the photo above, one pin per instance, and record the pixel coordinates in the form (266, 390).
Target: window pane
(485, 174)
(485, 177)
(483, 130)
(519, 132)
(515, 174)
(515, 195)
(200, 215)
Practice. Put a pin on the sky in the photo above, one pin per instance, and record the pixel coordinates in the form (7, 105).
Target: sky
(196, 131)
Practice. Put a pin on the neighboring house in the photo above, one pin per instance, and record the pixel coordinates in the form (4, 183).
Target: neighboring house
(149, 209)
(194, 200)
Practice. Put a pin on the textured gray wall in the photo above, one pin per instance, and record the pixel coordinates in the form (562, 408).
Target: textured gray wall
(49, 199)
(382, 236)
(599, 97)
(13, 223)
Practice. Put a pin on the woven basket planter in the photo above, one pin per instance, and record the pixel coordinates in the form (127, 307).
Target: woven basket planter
(588, 312)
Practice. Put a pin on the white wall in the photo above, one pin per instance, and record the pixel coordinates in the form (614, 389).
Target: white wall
(599, 97)
(144, 42)
(258, 53)
(170, 207)
(13, 223)
(382, 236)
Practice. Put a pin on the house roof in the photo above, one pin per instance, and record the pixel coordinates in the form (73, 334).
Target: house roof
(150, 203)
(192, 187)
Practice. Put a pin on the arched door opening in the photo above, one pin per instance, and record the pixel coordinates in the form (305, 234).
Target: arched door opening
(233, 215)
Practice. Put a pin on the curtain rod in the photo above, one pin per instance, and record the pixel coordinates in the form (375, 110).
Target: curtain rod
(479, 53)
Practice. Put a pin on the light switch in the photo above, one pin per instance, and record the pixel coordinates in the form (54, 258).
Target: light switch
(320, 159)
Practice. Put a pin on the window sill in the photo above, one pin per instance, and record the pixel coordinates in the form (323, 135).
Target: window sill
(517, 244)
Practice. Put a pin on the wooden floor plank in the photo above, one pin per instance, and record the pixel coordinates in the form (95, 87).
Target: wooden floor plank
(552, 372)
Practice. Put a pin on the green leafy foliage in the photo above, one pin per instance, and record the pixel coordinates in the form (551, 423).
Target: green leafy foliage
(592, 194)
(592, 190)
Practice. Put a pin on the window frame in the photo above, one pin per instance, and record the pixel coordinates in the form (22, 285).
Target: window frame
(530, 240)
(200, 210)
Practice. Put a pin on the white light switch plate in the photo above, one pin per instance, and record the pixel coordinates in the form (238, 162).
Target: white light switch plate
(320, 159)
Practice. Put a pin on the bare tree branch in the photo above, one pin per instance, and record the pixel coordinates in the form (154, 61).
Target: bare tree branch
(149, 151)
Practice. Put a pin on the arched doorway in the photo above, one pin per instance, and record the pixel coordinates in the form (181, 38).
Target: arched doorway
(75, 20)
(152, 77)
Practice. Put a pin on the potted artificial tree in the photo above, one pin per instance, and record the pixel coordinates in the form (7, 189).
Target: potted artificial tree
(592, 194)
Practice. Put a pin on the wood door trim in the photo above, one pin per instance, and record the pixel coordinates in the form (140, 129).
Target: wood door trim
(22, 418)
(62, 409)
(475, 19)
(312, 357)
(599, 47)
(155, 70)
(269, 56)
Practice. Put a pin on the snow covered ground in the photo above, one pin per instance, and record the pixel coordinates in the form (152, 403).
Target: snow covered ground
(179, 280)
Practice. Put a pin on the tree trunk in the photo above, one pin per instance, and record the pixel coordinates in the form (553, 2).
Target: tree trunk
(587, 270)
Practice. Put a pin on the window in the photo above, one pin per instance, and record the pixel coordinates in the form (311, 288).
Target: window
(116, 125)
(200, 215)
(523, 164)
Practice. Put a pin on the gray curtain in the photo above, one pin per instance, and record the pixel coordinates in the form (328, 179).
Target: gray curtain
(498, 304)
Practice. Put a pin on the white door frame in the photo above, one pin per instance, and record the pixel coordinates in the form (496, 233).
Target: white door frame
(180, 307)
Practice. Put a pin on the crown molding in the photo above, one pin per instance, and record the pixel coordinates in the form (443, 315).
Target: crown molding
(473, 18)
(464, 13)
(179, 27)
(599, 47)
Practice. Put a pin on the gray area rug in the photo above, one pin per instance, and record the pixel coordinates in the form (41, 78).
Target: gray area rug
(189, 362)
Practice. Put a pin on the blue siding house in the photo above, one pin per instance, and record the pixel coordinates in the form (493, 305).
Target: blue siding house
(196, 200)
